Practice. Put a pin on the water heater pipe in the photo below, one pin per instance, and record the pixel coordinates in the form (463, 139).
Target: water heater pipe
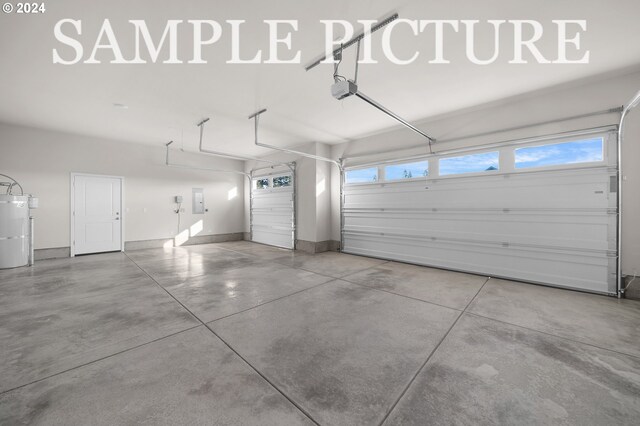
(32, 258)
(15, 182)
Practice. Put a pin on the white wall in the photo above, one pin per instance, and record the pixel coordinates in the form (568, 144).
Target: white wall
(42, 161)
(323, 194)
(580, 97)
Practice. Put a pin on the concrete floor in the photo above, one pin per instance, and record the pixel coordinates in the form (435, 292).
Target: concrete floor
(239, 333)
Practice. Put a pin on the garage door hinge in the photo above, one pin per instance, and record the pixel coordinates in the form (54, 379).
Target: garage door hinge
(611, 253)
(505, 244)
(612, 211)
(506, 210)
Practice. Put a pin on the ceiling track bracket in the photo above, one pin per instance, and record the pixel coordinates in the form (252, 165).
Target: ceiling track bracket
(231, 156)
(255, 116)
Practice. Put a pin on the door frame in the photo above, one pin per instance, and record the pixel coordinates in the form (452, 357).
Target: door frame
(72, 205)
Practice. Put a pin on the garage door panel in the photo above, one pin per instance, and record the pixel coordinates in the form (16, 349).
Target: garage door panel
(266, 205)
(272, 210)
(552, 225)
(273, 199)
(585, 270)
(266, 218)
(517, 191)
(571, 231)
(272, 236)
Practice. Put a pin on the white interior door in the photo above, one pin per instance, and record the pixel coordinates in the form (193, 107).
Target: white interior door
(97, 214)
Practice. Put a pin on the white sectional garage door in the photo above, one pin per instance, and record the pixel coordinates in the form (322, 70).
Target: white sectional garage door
(272, 210)
(542, 211)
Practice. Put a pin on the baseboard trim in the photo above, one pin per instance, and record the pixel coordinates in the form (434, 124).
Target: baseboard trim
(52, 253)
(62, 252)
(198, 239)
(633, 291)
(317, 246)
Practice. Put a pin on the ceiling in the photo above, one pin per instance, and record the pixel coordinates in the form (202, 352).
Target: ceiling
(166, 101)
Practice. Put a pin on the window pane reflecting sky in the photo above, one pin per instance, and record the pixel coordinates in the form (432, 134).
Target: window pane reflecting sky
(362, 175)
(262, 183)
(472, 163)
(406, 171)
(585, 151)
(281, 181)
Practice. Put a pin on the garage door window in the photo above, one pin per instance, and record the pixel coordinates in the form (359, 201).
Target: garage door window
(406, 170)
(473, 163)
(362, 175)
(262, 183)
(281, 181)
(584, 151)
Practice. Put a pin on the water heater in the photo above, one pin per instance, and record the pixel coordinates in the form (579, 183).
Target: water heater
(16, 229)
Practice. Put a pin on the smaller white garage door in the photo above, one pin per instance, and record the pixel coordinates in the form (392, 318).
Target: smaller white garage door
(272, 210)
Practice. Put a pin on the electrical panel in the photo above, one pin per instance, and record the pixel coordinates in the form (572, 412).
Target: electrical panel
(198, 201)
